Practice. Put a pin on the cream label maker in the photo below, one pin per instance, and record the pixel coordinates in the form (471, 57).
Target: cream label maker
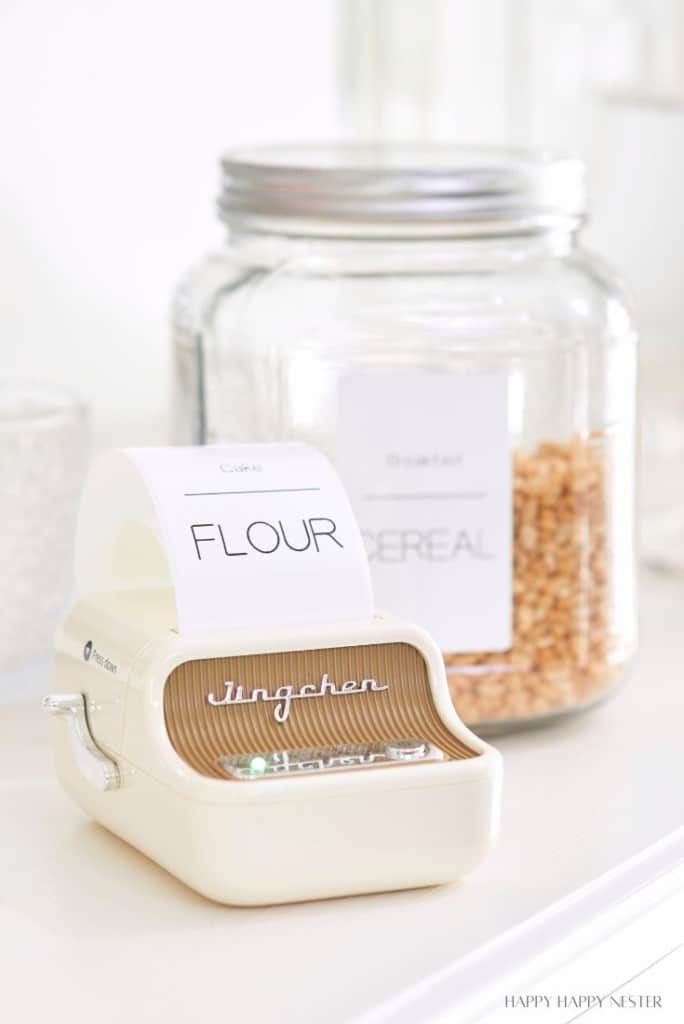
(227, 699)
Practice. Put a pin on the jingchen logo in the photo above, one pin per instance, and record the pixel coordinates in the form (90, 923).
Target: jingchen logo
(284, 695)
(88, 650)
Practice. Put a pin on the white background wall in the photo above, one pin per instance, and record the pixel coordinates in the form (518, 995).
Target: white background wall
(113, 118)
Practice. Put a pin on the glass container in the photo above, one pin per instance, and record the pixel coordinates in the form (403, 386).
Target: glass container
(44, 445)
(427, 317)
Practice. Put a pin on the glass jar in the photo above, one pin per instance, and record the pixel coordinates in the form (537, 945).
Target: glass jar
(426, 318)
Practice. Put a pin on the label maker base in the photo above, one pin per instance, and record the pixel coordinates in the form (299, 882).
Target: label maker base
(326, 761)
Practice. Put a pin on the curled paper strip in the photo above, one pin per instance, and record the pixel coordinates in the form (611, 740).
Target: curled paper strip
(245, 534)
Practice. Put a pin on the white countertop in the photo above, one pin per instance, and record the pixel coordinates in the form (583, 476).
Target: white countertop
(92, 930)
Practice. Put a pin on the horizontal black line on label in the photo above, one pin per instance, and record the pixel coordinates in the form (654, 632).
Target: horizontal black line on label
(450, 496)
(272, 490)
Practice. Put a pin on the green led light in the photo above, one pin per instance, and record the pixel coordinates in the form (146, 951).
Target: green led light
(257, 765)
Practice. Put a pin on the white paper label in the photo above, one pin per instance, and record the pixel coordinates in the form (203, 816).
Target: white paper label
(252, 534)
(426, 461)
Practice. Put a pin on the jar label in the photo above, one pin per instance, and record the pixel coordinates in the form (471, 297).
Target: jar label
(426, 459)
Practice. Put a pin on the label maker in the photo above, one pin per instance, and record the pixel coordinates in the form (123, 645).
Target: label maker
(257, 729)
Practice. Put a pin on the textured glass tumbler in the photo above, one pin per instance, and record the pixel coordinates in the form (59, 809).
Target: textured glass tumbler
(43, 450)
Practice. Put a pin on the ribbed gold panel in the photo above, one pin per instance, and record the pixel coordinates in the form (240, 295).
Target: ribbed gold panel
(201, 733)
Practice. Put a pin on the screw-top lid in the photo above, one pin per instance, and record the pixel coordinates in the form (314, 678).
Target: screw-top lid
(394, 190)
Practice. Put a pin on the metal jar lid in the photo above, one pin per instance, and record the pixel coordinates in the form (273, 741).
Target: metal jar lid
(395, 190)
